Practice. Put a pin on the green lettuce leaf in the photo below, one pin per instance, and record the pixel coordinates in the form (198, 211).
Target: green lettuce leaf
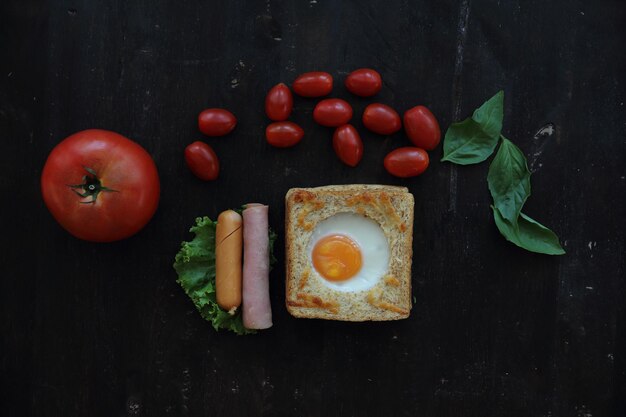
(195, 266)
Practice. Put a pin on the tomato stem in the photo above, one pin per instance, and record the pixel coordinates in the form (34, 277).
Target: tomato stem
(91, 187)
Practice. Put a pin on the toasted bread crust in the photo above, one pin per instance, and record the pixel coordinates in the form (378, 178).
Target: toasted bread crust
(306, 295)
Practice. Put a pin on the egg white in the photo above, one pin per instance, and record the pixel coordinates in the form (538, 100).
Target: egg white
(370, 238)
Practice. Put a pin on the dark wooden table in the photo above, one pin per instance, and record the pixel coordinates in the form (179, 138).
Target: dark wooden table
(104, 330)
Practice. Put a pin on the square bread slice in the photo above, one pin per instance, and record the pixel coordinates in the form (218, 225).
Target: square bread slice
(307, 292)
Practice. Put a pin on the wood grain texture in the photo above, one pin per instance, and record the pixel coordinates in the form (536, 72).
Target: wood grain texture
(104, 330)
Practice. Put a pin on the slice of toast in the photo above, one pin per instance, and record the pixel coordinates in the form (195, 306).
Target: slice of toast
(307, 296)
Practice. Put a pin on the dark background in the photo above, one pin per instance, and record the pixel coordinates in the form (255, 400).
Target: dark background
(104, 330)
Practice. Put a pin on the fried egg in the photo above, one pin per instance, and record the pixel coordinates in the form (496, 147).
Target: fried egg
(349, 252)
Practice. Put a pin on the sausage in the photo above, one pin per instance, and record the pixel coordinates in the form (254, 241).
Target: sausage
(257, 309)
(228, 248)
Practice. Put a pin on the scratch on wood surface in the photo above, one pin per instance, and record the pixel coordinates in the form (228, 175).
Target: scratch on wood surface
(457, 88)
(540, 140)
(186, 62)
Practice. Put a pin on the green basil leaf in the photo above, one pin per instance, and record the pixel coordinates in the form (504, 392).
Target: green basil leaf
(509, 180)
(474, 139)
(465, 143)
(489, 116)
(528, 234)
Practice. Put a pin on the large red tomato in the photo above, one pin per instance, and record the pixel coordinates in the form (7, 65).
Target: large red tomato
(100, 186)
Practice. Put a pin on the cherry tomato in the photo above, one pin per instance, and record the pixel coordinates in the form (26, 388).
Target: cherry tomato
(364, 82)
(348, 145)
(202, 161)
(283, 134)
(332, 112)
(406, 162)
(422, 127)
(100, 186)
(381, 119)
(278, 103)
(216, 122)
(313, 84)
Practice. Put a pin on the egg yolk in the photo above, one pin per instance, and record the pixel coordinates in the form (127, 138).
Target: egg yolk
(336, 257)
